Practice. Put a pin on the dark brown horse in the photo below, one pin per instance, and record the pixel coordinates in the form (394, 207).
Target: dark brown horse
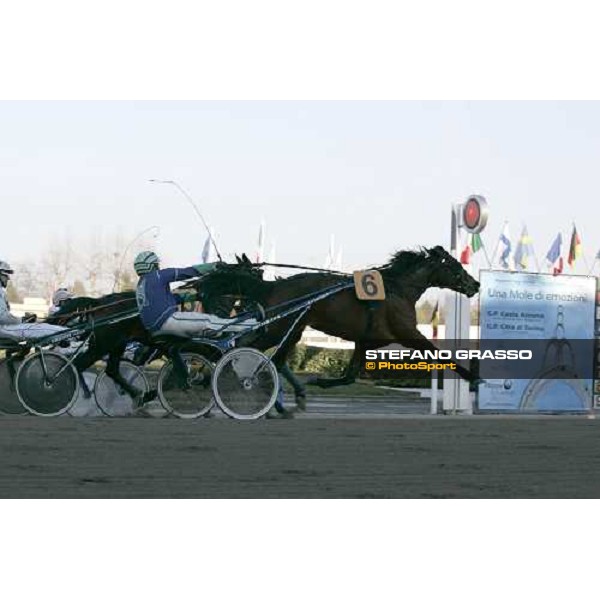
(109, 339)
(406, 276)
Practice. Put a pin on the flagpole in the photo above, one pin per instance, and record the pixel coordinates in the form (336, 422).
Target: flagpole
(585, 262)
(537, 262)
(486, 255)
(495, 251)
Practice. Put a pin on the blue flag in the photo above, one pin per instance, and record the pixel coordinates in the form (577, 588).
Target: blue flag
(524, 250)
(506, 250)
(555, 250)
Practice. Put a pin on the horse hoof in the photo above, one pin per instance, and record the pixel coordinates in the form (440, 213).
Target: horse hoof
(273, 414)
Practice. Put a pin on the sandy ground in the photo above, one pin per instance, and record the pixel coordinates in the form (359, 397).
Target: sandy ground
(407, 457)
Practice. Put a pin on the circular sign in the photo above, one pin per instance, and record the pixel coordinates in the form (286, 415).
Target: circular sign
(474, 214)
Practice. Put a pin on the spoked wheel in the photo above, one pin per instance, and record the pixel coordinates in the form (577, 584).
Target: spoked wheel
(245, 384)
(111, 398)
(9, 401)
(186, 394)
(47, 385)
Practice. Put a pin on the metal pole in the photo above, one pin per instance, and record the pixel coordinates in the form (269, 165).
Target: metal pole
(486, 255)
(434, 376)
(434, 393)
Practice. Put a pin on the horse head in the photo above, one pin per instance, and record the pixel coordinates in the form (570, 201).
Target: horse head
(231, 287)
(447, 272)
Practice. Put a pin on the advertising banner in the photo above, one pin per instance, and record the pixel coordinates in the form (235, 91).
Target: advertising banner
(556, 313)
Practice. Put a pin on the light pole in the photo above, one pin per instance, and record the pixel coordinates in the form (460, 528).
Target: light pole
(155, 228)
(194, 206)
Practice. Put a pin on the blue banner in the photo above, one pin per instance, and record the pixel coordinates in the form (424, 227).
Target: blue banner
(556, 310)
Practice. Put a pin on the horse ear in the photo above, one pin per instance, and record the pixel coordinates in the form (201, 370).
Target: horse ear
(438, 251)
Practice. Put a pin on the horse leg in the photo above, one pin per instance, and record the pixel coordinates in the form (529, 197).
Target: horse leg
(87, 393)
(279, 360)
(420, 342)
(112, 370)
(142, 355)
(350, 374)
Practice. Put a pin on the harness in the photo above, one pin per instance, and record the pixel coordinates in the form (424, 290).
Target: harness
(371, 306)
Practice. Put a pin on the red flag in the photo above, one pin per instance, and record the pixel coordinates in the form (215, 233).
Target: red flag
(465, 255)
(558, 269)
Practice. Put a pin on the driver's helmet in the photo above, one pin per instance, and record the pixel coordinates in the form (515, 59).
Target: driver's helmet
(5, 272)
(60, 296)
(146, 262)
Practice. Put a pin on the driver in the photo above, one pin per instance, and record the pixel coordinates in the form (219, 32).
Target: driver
(14, 327)
(158, 306)
(60, 296)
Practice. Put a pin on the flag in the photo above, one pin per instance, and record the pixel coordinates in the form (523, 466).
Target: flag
(435, 320)
(269, 274)
(206, 250)
(330, 260)
(506, 247)
(260, 252)
(474, 244)
(558, 268)
(465, 255)
(524, 250)
(575, 248)
(554, 254)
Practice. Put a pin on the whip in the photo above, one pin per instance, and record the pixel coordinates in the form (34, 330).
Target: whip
(194, 206)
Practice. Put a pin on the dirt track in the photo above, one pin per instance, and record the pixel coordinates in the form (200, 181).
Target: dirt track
(407, 457)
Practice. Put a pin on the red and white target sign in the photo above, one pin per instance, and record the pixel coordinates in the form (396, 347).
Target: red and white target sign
(474, 214)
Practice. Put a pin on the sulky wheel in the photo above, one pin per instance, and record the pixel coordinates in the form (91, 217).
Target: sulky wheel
(184, 390)
(111, 398)
(245, 384)
(47, 384)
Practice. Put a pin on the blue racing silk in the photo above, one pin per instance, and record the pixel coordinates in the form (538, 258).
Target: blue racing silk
(155, 300)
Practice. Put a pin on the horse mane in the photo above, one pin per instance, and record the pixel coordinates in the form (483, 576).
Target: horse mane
(405, 262)
(401, 263)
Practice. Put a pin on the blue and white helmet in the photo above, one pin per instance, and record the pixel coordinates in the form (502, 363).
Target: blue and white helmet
(146, 262)
(61, 295)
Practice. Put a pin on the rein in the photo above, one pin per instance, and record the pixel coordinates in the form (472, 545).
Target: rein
(303, 267)
(85, 311)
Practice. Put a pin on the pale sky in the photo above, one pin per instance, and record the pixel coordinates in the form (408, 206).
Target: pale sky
(380, 176)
